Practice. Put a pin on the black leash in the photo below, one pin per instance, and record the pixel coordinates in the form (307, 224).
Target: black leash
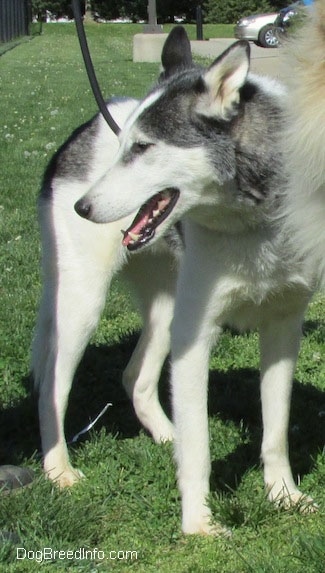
(90, 68)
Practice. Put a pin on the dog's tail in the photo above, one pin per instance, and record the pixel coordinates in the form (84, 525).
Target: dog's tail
(304, 141)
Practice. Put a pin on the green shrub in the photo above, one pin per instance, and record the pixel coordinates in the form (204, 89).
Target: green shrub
(229, 11)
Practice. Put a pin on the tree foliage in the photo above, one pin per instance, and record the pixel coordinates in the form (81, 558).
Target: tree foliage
(229, 11)
(216, 11)
(168, 9)
(57, 7)
(111, 9)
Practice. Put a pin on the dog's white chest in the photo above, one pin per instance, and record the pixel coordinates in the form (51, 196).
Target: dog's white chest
(245, 276)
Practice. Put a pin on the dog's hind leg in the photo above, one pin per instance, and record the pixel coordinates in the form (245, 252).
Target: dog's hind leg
(152, 277)
(79, 259)
(279, 342)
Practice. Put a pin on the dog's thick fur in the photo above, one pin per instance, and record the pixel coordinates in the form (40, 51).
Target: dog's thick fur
(210, 138)
(304, 141)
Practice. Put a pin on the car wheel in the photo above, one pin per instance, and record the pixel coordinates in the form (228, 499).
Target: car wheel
(268, 37)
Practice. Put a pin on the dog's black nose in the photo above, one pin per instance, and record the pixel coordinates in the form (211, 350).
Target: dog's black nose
(83, 208)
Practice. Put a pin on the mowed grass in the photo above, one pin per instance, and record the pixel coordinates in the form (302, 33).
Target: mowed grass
(129, 501)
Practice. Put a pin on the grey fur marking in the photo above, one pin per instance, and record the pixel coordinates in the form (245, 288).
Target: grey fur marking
(74, 158)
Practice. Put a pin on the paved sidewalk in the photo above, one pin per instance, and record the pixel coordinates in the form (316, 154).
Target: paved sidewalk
(266, 61)
(263, 60)
(147, 48)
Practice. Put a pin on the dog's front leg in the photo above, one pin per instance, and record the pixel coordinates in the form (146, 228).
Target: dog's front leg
(279, 342)
(189, 387)
(192, 334)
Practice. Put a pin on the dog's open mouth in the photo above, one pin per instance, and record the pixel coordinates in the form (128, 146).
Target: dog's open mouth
(149, 217)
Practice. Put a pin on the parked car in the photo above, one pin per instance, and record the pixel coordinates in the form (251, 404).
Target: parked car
(266, 30)
(285, 15)
(259, 28)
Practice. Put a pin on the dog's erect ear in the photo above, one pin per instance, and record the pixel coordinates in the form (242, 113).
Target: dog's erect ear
(176, 53)
(223, 80)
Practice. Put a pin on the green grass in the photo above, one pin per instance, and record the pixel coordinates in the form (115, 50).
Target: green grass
(130, 500)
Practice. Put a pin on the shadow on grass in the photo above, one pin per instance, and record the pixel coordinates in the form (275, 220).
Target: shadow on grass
(233, 395)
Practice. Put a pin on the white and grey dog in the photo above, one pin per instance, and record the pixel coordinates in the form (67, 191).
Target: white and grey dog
(202, 147)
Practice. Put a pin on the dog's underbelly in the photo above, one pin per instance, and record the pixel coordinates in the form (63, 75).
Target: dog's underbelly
(246, 307)
(247, 316)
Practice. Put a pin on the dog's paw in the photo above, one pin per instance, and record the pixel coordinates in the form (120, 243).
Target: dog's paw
(304, 503)
(286, 499)
(211, 529)
(65, 478)
(205, 526)
(164, 432)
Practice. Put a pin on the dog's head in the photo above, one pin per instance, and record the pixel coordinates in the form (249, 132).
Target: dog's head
(175, 148)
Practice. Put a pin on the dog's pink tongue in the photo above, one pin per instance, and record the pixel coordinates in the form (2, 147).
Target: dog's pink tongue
(133, 233)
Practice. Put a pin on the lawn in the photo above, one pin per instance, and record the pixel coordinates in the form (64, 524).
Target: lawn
(126, 514)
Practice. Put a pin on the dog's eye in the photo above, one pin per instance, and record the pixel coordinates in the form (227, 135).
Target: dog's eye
(139, 147)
